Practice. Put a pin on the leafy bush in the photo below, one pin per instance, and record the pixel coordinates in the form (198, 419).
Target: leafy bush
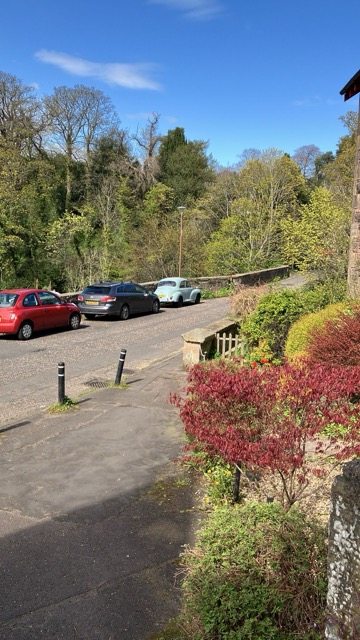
(299, 333)
(263, 578)
(338, 340)
(269, 324)
(269, 418)
(271, 320)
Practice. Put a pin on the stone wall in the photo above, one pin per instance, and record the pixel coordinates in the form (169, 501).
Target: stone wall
(199, 342)
(213, 283)
(344, 556)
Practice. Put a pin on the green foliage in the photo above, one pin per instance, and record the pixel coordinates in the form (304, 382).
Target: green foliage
(223, 292)
(269, 324)
(299, 333)
(262, 577)
(248, 237)
(271, 320)
(220, 482)
(319, 238)
(184, 166)
(126, 198)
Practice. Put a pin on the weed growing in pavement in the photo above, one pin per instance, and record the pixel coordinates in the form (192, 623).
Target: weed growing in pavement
(59, 407)
(122, 385)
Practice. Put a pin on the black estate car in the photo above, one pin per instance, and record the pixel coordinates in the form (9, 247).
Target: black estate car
(120, 299)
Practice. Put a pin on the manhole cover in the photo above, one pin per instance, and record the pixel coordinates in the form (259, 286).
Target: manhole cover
(98, 384)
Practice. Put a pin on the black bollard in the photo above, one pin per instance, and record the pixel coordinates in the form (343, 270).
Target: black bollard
(61, 382)
(120, 366)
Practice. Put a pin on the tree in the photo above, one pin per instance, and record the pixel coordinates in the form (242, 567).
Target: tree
(156, 237)
(21, 122)
(250, 237)
(321, 163)
(174, 139)
(27, 207)
(273, 418)
(75, 116)
(217, 202)
(339, 174)
(305, 157)
(319, 239)
(185, 167)
(148, 141)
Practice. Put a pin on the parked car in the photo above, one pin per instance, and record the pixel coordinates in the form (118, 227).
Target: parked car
(23, 311)
(120, 299)
(176, 291)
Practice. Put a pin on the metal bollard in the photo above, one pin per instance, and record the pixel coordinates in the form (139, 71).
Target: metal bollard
(120, 366)
(61, 382)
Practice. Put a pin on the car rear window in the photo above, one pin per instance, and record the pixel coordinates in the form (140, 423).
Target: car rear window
(8, 299)
(98, 290)
(167, 283)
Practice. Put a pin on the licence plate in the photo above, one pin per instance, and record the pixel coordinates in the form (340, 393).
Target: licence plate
(161, 295)
(91, 302)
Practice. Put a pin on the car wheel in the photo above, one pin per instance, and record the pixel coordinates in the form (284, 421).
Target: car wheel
(179, 302)
(197, 299)
(74, 322)
(26, 330)
(125, 312)
(156, 306)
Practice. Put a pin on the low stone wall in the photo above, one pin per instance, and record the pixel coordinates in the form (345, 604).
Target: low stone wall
(344, 555)
(198, 343)
(214, 283)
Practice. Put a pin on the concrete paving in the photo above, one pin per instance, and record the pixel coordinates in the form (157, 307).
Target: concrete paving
(94, 514)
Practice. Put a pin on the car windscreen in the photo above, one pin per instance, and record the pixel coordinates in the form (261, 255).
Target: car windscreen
(98, 290)
(167, 283)
(8, 299)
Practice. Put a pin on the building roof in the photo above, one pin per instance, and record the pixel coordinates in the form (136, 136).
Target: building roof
(352, 87)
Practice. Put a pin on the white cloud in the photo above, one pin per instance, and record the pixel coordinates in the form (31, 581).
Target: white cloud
(131, 76)
(194, 9)
(314, 101)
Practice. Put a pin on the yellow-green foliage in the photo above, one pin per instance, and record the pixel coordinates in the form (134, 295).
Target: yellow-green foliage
(298, 335)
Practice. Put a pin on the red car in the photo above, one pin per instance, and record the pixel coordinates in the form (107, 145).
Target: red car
(23, 311)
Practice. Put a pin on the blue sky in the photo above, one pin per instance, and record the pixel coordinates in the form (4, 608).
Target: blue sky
(239, 74)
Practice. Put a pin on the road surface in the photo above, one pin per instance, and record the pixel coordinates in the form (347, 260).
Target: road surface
(28, 370)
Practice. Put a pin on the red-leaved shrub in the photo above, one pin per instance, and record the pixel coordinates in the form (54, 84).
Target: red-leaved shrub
(269, 417)
(337, 341)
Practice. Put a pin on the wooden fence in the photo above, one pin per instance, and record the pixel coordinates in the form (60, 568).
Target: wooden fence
(228, 345)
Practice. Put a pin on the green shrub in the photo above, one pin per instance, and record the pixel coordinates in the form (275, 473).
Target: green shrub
(270, 321)
(299, 333)
(267, 327)
(256, 573)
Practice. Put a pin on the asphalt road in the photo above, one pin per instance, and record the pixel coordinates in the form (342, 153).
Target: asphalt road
(28, 370)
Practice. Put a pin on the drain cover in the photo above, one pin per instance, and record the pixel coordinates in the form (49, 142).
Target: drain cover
(98, 384)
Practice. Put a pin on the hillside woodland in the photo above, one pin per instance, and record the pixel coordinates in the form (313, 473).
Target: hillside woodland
(81, 198)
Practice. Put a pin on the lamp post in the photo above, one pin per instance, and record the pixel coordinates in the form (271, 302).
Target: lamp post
(181, 211)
